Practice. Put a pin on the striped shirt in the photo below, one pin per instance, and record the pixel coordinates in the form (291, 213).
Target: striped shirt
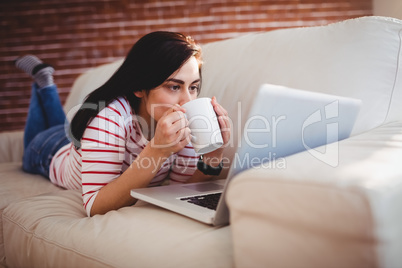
(110, 143)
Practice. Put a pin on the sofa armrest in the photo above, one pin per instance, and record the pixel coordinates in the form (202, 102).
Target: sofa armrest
(310, 214)
(11, 146)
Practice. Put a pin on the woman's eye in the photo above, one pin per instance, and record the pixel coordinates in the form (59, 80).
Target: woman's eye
(195, 88)
(174, 87)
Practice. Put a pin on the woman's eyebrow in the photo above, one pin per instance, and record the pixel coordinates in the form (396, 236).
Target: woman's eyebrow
(175, 80)
(181, 81)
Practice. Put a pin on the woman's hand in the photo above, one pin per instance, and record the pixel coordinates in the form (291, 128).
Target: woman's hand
(215, 157)
(172, 132)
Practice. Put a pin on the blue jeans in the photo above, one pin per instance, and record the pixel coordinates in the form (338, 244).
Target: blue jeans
(45, 130)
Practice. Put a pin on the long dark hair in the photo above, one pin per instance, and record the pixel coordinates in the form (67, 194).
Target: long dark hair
(151, 60)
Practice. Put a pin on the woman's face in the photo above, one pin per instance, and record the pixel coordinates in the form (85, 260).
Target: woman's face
(181, 87)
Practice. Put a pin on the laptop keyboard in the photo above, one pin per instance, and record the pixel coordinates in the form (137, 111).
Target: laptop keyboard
(208, 201)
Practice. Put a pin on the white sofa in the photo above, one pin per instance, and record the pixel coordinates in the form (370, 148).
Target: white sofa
(309, 214)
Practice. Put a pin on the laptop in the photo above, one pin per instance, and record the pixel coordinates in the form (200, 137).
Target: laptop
(281, 122)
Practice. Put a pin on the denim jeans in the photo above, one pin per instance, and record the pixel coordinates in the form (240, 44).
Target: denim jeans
(44, 130)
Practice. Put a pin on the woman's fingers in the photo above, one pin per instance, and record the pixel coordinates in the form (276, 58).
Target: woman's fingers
(220, 111)
(223, 119)
(172, 131)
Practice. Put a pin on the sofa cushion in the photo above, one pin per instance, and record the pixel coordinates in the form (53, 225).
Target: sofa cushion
(347, 215)
(16, 185)
(138, 236)
(11, 146)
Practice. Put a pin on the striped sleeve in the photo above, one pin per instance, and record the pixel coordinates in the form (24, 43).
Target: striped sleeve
(185, 165)
(65, 168)
(102, 151)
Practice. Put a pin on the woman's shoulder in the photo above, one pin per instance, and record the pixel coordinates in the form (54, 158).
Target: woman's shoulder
(121, 106)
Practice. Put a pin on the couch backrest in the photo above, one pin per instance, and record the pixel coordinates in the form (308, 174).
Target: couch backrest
(86, 83)
(358, 58)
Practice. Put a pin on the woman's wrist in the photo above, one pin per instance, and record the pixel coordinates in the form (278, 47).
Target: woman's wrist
(158, 151)
(150, 158)
(209, 169)
(214, 158)
(212, 161)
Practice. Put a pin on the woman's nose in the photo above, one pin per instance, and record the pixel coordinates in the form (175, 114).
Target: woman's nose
(185, 97)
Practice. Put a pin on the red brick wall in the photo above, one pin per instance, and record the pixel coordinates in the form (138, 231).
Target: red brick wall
(75, 35)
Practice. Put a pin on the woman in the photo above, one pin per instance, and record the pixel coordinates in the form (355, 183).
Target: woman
(129, 133)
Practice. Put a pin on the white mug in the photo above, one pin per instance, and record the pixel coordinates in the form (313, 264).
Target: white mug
(203, 123)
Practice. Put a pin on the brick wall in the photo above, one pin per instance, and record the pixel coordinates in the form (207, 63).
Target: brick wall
(75, 35)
